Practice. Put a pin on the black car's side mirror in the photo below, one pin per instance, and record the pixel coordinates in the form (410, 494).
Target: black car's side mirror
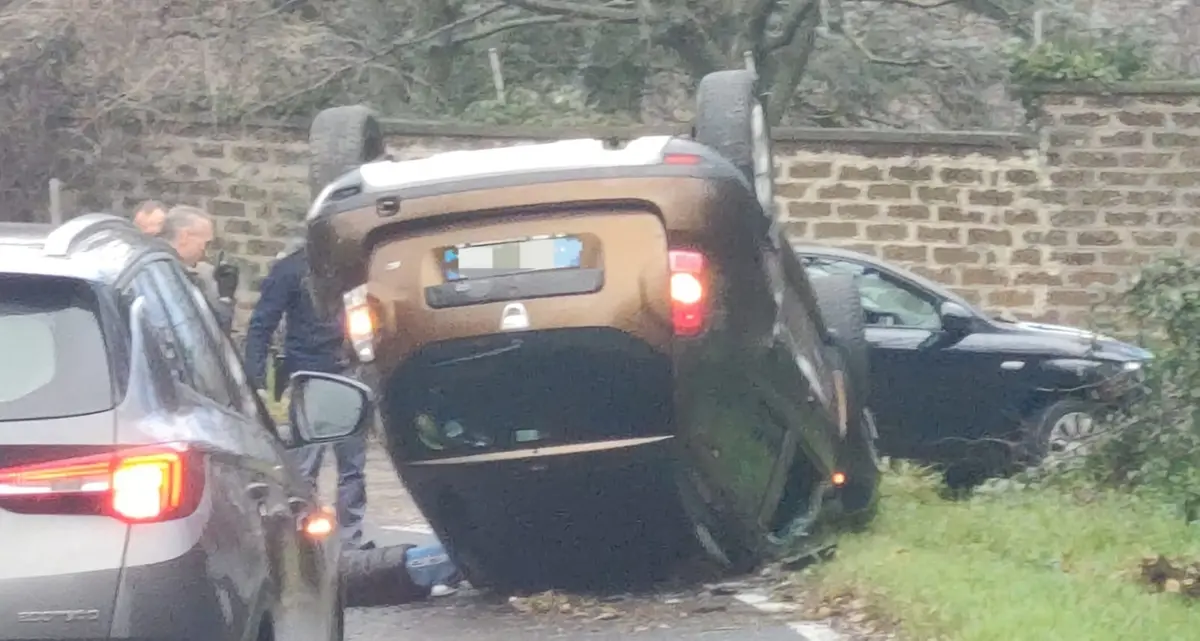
(328, 408)
(956, 320)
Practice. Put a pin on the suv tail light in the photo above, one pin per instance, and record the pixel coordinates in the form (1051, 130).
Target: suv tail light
(136, 485)
(689, 292)
(360, 323)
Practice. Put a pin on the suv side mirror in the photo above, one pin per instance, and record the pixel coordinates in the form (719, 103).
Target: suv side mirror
(327, 407)
(956, 320)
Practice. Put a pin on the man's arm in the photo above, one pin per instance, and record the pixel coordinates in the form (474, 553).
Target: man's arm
(264, 320)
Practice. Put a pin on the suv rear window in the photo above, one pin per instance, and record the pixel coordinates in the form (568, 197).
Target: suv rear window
(55, 363)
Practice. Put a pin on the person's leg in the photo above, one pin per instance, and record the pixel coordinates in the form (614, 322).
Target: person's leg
(351, 456)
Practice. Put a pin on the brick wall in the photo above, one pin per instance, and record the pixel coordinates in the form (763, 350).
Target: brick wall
(1040, 227)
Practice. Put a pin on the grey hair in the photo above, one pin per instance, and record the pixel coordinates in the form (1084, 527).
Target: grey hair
(181, 217)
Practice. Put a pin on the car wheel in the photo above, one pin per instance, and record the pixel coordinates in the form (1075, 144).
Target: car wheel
(841, 310)
(731, 119)
(1065, 427)
(340, 140)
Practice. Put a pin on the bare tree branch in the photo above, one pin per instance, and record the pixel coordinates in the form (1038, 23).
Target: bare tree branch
(507, 26)
(578, 10)
(918, 4)
(796, 13)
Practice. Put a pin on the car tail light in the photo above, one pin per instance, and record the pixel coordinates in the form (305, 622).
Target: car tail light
(360, 323)
(689, 292)
(135, 485)
(681, 159)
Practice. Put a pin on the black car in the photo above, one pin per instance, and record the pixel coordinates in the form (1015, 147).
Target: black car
(144, 490)
(952, 382)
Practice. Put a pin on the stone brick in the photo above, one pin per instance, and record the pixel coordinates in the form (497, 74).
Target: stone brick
(1073, 218)
(964, 176)
(1177, 219)
(1100, 238)
(1060, 138)
(1093, 159)
(984, 276)
(263, 247)
(791, 190)
(835, 230)
(957, 215)
(1147, 160)
(886, 232)
(1123, 139)
(809, 209)
(1123, 178)
(204, 188)
(1170, 139)
(1085, 119)
(838, 192)
(889, 192)
(1001, 237)
(1021, 217)
(796, 228)
(1193, 239)
(934, 195)
(1149, 238)
(911, 174)
(1073, 258)
(1126, 218)
(241, 227)
(1027, 256)
(909, 212)
(857, 211)
(867, 174)
(1069, 297)
(1122, 258)
(1022, 177)
(929, 234)
(811, 170)
(1054, 237)
(991, 197)
(1037, 278)
(208, 150)
(1150, 198)
(1071, 178)
(905, 253)
(247, 192)
(1091, 278)
(955, 256)
(228, 208)
(1049, 196)
(1011, 298)
(1099, 198)
(1142, 118)
(1180, 179)
(944, 275)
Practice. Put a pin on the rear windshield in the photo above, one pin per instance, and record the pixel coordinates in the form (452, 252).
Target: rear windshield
(53, 361)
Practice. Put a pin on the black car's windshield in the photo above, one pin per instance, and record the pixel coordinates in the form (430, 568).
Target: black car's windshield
(53, 361)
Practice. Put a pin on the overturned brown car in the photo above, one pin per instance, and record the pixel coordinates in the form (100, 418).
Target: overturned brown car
(592, 357)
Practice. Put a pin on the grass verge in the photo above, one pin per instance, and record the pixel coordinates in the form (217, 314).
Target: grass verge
(1024, 564)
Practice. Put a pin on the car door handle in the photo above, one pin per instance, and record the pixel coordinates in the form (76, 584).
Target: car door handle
(258, 491)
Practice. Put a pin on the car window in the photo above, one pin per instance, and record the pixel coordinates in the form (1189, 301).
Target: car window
(886, 301)
(172, 310)
(55, 362)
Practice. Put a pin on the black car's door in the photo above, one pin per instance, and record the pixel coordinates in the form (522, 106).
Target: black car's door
(927, 391)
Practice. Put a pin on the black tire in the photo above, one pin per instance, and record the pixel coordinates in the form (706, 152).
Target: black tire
(1038, 429)
(340, 140)
(841, 309)
(725, 121)
(859, 459)
(378, 577)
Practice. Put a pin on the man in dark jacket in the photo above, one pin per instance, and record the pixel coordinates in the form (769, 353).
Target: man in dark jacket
(310, 343)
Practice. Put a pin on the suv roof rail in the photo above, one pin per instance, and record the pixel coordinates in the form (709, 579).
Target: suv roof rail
(63, 239)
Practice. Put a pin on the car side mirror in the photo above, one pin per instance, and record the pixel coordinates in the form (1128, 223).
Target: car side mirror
(327, 407)
(956, 320)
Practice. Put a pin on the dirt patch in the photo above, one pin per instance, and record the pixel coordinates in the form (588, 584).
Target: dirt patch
(1172, 576)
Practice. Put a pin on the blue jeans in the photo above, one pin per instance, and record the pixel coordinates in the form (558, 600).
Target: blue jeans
(351, 454)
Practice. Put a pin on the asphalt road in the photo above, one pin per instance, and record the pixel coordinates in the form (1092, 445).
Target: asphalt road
(732, 613)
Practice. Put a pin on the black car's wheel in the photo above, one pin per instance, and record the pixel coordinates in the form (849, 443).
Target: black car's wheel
(1065, 427)
(340, 140)
(859, 460)
(841, 309)
(732, 120)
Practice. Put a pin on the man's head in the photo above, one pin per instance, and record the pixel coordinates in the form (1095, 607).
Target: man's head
(189, 230)
(149, 217)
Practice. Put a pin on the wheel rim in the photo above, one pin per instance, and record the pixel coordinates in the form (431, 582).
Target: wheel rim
(764, 170)
(1071, 432)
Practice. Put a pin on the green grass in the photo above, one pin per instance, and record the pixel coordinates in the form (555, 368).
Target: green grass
(1022, 564)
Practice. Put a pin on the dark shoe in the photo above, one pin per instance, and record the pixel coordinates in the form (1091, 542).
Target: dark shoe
(366, 545)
